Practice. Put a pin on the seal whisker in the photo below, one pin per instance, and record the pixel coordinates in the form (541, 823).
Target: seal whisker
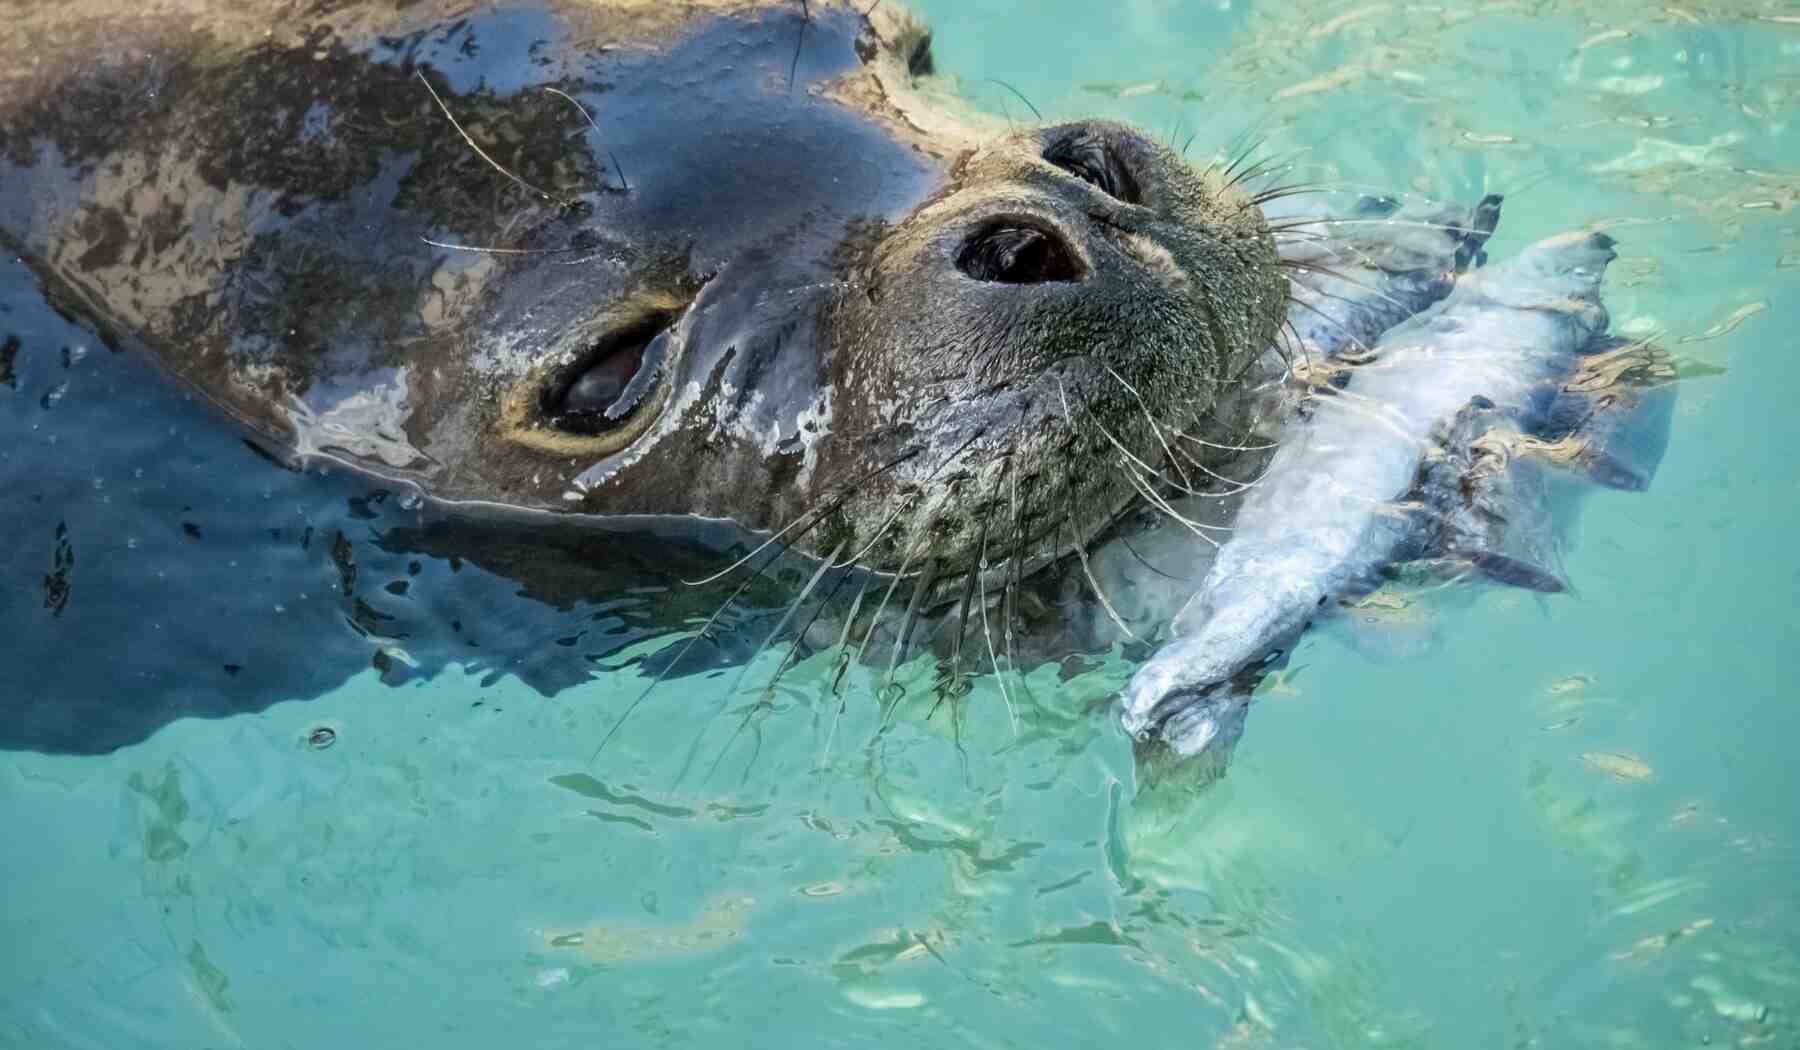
(1268, 166)
(1299, 344)
(1235, 486)
(1081, 552)
(1250, 147)
(1083, 355)
(988, 632)
(881, 532)
(1157, 502)
(799, 42)
(926, 579)
(672, 664)
(1134, 458)
(1348, 332)
(843, 667)
(1368, 189)
(1202, 442)
(1155, 426)
(1145, 468)
(954, 678)
(766, 700)
(1093, 582)
(1015, 567)
(1288, 235)
(1021, 97)
(1282, 192)
(921, 588)
(800, 638)
(1375, 412)
(913, 550)
(923, 534)
(578, 262)
(498, 251)
(818, 514)
(1304, 263)
(741, 588)
(1416, 224)
(737, 683)
(1239, 487)
(479, 152)
(1305, 268)
(1307, 263)
(579, 108)
(1139, 558)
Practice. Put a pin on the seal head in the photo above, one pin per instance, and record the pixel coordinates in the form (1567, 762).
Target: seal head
(730, 262)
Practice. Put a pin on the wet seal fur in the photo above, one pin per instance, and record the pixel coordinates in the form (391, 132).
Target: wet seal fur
(724, 260)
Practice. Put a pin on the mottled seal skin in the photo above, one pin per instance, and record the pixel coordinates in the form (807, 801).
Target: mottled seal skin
(724, 260)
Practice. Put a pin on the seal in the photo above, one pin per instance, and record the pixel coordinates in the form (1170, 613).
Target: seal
(722, 259)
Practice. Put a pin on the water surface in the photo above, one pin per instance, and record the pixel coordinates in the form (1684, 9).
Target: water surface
(1502, 820)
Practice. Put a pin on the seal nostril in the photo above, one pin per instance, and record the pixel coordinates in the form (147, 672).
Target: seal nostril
(1090, 158)
(1012, 252)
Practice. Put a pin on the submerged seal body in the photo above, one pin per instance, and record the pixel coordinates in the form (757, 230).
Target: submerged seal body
(725, 260)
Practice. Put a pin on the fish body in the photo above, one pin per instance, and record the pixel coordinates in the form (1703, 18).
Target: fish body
(1334, 508)
(1354, 276)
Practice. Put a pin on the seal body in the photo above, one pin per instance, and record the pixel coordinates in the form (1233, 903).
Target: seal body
(608, 284)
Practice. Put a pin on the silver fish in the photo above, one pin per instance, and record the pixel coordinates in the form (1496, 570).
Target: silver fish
(1352, 277)
(1333, 509)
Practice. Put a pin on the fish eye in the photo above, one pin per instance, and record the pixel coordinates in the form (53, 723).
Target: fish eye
(1089, 158)
(612, 382)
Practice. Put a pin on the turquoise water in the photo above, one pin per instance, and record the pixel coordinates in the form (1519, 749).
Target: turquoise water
(1565, 822)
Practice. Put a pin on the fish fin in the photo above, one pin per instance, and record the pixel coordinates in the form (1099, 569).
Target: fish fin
(1609, 421)
(1482, 506)
(1477, 228)
(1502, 569)
(1516, 572)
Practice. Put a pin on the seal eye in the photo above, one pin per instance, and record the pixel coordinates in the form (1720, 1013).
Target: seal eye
(612, 380)
(1087, 157)
(1012, 252)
